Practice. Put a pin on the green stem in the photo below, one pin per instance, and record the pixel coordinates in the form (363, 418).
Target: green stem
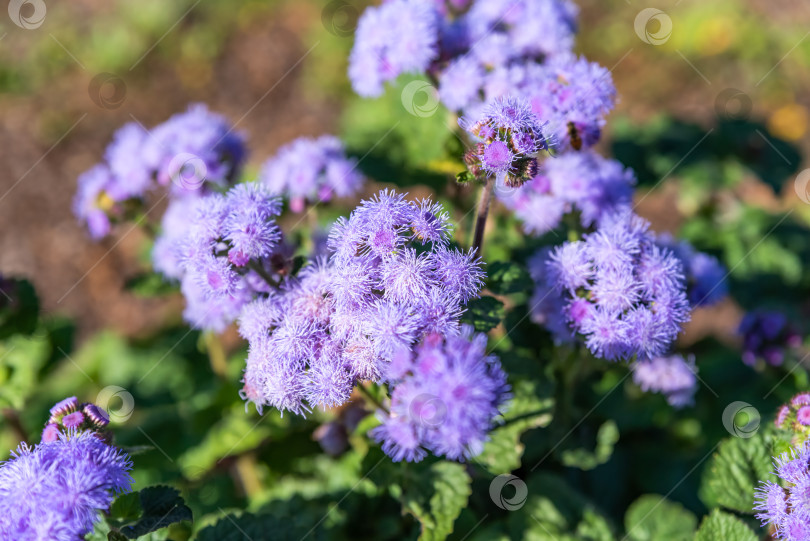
(371, 399)
(483, 212)
(258, 269)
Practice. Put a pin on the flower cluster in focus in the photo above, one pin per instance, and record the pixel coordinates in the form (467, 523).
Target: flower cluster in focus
(509, 139)
(390, 279)
(617, 289)
(221, 248)
(788, 509)
(57, 489)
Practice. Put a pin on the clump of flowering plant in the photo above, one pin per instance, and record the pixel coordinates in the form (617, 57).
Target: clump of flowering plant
(622, 294)
(57, 489)
(390, 279)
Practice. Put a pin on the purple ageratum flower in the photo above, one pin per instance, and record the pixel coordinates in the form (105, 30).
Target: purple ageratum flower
(56, 489)
(389, 280)
(786, 508)
(63, 407)
(510, 137)
(207, 140)
(132, 160)
(573, 181)
(548, 306)
(91, 204)
(447, 394)
(673, 376)
(620, 292)
(767, 335)
(573, 96)
(569, 95)
(249, 227)
(310, 171)
(461, 82)
(190, 149)
(705, 275)
(216, 252)
(535, 29)
(400, 36)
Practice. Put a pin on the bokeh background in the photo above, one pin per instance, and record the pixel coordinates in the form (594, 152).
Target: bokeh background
(714, 116)
(277, 70)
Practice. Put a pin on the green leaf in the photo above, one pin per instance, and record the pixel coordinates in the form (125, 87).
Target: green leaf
(505, 277)
(530, 407)
(116, 536)
(653, 517)
(162, 506)
(554, 511)
(21, 360)
(484, 313)
(233, 434)
(735, 471)
(721, 526)
(606, 439)
(126, 508)
(464, 177)
(149, 284)
(435, 494)
(594, 527)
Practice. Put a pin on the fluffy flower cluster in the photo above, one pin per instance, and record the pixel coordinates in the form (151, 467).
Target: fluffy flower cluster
(787, 509)
(221, 248)
(447, 394)
(485, 51)
(422, 35)
(768, 336)
(510, 137)
(672, 376)
(311, 170)
(400, 36)
(390, 279)
(57, 489)
(795, 417)
(705, 275)
(568, 93)
(617, 289)
(69, 414)
(582, 182)
(186, 152)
